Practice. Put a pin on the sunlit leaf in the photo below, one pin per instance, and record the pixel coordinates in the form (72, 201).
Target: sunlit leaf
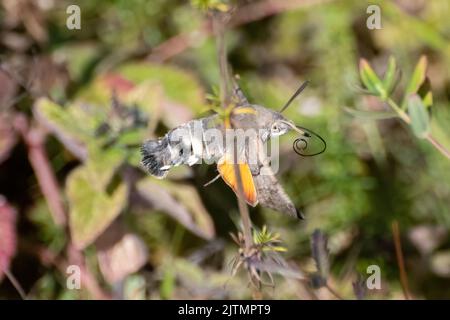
(416, 80)
(72, 125)
(427, 100)
(425, 93)
(91, 211)
(78, 57)
(390, 76)
(178, 84)
(370, 79)
(101, 166)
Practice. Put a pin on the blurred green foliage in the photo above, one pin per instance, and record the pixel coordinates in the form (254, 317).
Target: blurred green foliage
(375, 170)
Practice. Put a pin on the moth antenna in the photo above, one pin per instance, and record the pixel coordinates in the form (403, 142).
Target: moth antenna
(299, 90)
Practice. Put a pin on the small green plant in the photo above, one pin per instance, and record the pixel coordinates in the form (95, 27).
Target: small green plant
(268, 241)
(414, 109)
(263, 258)
(205, 5)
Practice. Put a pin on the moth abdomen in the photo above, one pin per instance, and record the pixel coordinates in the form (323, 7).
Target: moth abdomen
(156, 157)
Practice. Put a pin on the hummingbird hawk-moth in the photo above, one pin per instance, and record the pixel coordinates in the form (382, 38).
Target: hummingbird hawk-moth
(190, 144)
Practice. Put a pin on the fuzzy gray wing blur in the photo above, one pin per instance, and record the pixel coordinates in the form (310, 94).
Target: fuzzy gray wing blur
(270, 192)
(272, 195)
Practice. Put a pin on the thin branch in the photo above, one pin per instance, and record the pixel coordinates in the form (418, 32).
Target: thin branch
(402, 114)
(262, 9)
(248, 13)
(219, 26)
(219, 23)
(15, 284)
(35, 140)
(400, 260)
(243, 209)
(430, 138)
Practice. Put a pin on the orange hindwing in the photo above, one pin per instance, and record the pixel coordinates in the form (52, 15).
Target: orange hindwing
(226, 170)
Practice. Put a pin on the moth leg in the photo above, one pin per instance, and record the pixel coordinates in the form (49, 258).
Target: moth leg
(212, 180)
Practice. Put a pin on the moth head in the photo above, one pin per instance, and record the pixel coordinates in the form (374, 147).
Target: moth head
(279, 127)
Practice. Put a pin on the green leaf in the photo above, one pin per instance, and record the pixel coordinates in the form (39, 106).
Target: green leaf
(69, 126)
(181, 202)
(417, 78)
(370, 79)
(427, 100)
(206, 5)
(371, 115)
(102, 164)
(425, 93)
(91, 211)
(420, 120)
(390, 75)
(78, 57)
(179, 85)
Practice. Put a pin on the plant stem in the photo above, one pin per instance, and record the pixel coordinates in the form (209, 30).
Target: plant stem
(402, 114)
(400, 260)
(35, 140)
(248, 13)
(429, 137)
(219, 31)
(15, 284)
(243, 209)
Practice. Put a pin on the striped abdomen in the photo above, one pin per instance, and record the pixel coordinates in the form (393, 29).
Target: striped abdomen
(187, 144)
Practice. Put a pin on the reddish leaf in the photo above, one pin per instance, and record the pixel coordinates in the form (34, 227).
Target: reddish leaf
(117, 83)
(8, 237)
(8, 137)
(120, 253)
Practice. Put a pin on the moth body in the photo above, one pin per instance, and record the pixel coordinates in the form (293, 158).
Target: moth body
(183, 145)
(208, 139)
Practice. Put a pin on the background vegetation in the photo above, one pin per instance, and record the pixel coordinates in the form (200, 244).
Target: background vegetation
(77, 104)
